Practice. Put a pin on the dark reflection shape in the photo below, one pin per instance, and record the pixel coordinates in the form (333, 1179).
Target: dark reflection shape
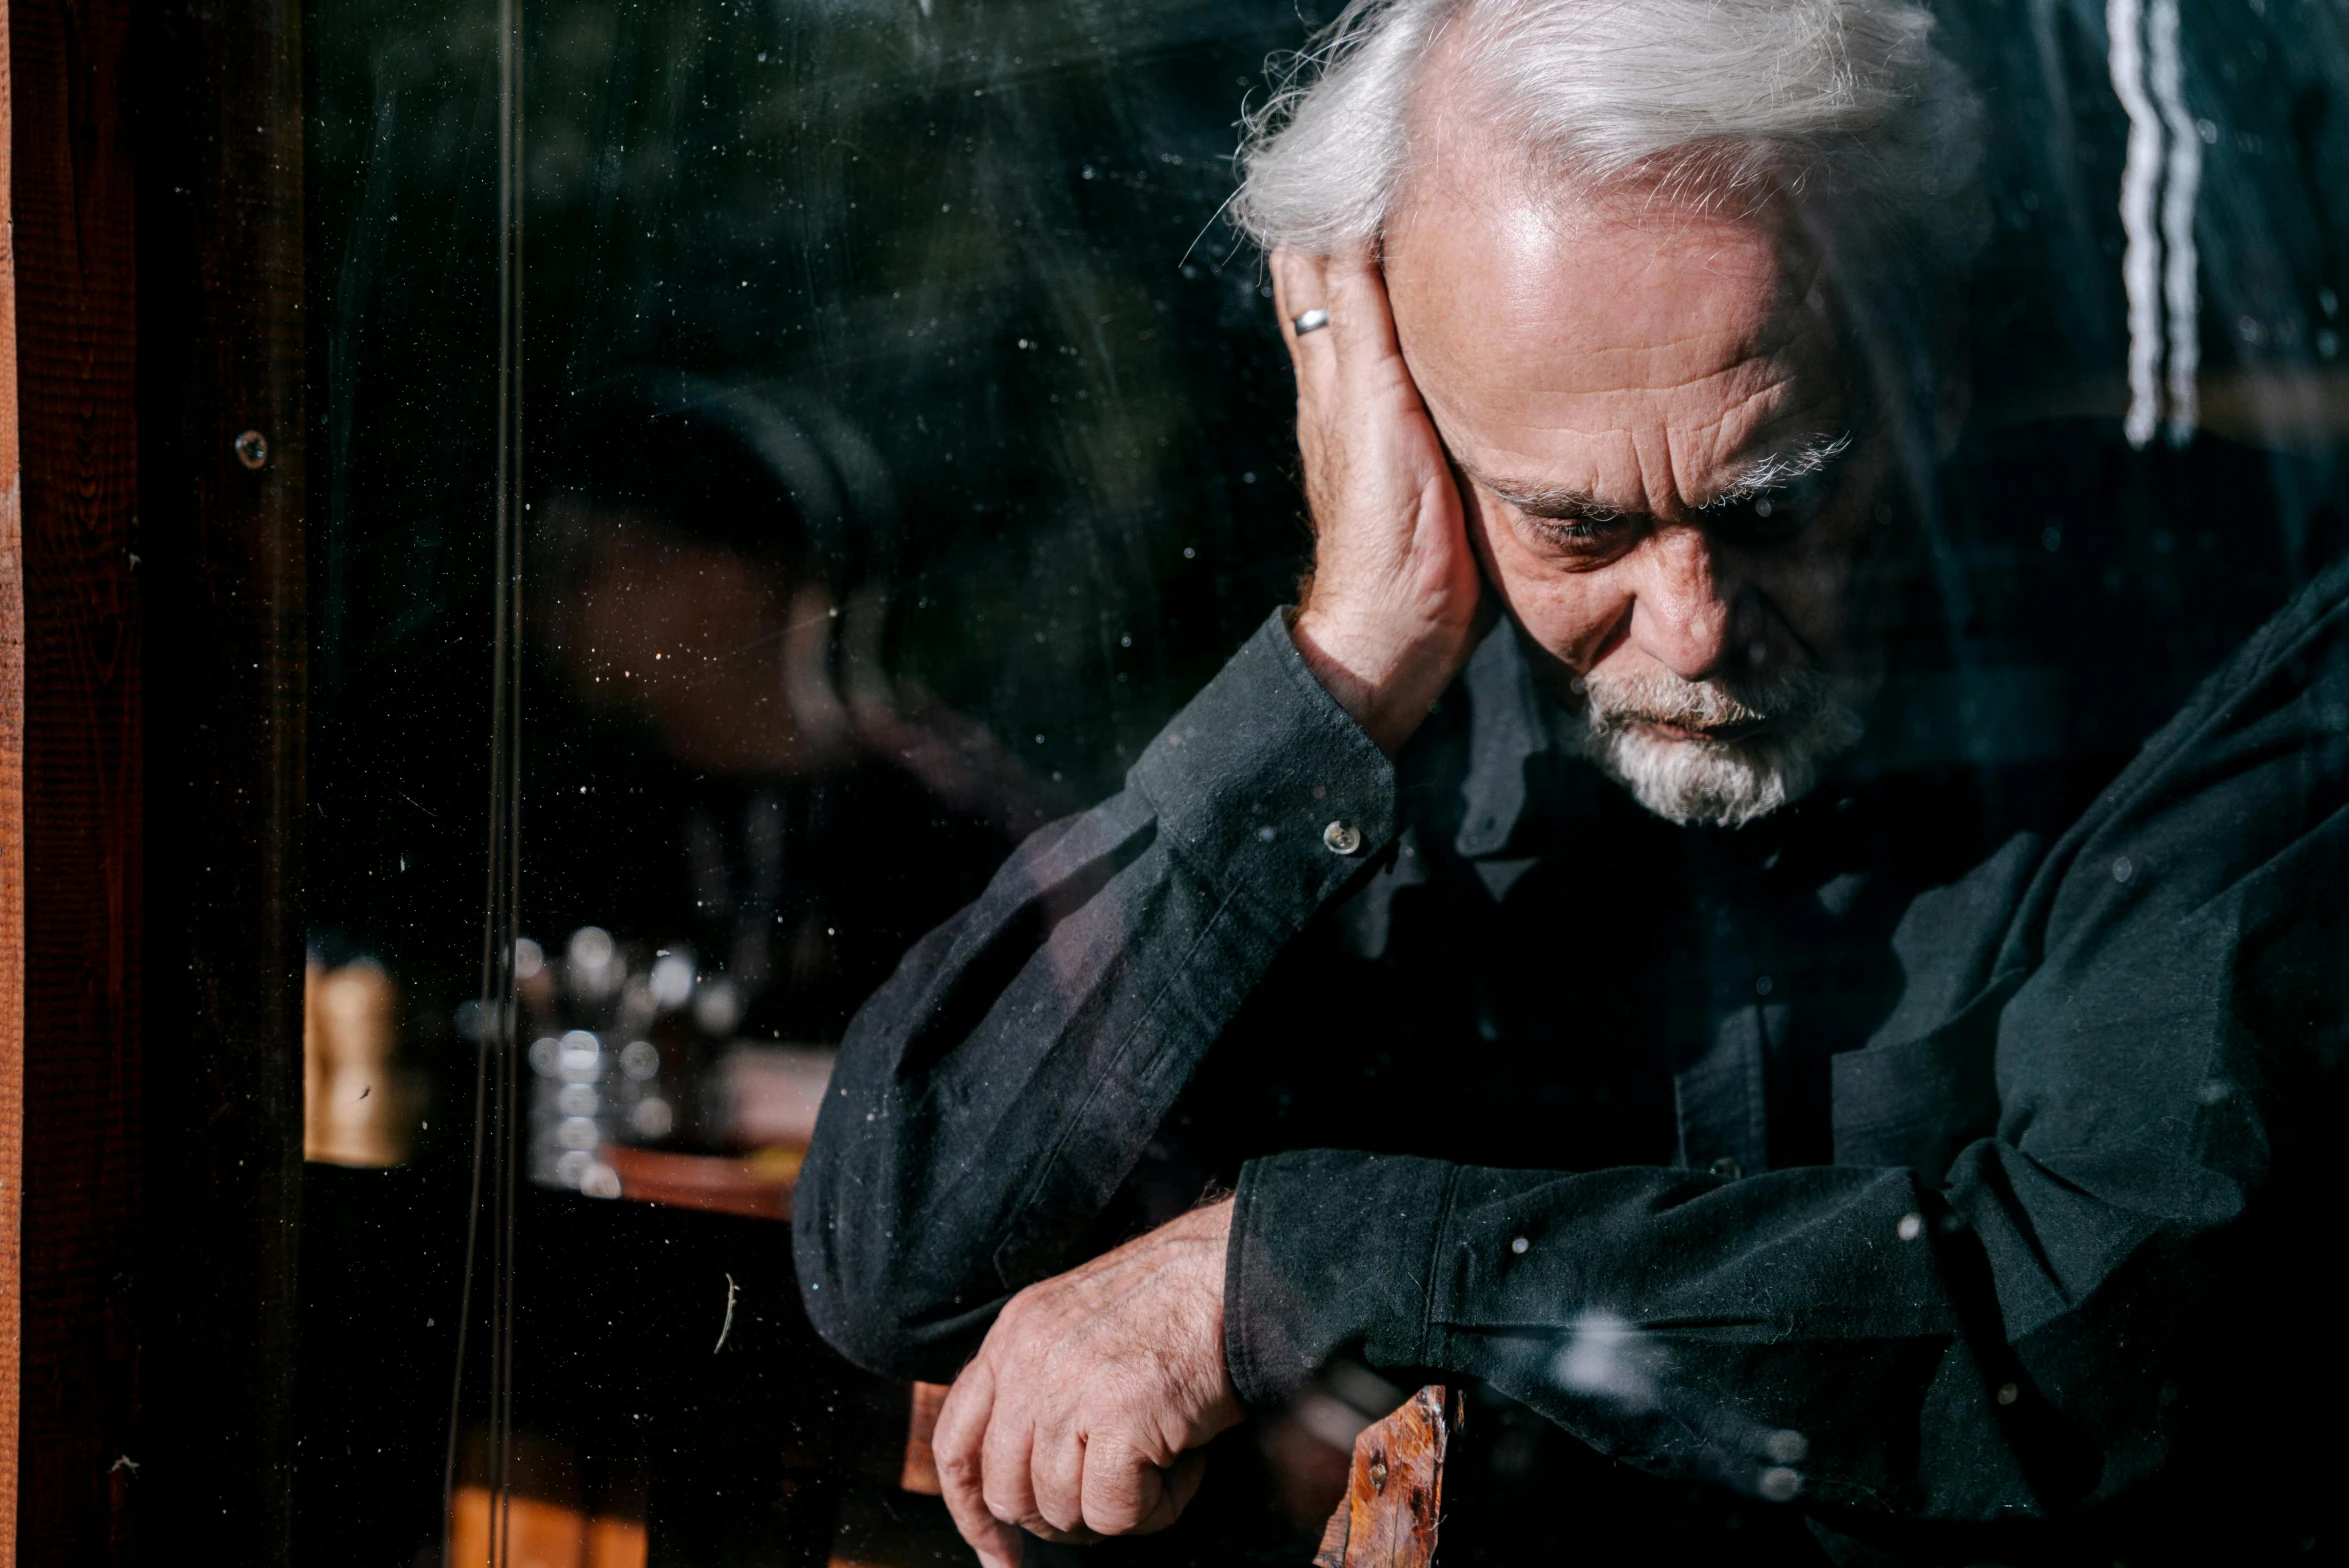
(737, 818)
(961, 231)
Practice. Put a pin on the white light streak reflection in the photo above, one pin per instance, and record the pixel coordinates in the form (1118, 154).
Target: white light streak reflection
(1605, 1356)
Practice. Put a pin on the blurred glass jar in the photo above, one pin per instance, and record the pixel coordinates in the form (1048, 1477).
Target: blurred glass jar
(359, 1109)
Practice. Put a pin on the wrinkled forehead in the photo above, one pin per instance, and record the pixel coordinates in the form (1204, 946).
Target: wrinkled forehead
(1601, 280)
(1700, 243)
(1533, 314)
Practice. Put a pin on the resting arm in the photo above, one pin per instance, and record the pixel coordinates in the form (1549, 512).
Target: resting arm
(2128, 1258)
(991, 1098)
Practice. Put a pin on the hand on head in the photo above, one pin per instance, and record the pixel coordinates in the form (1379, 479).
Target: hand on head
(1078, 1417)
(1628, 423)
(1396, 601)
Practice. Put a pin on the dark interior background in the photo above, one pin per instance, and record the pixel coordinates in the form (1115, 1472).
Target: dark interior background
(985, 237)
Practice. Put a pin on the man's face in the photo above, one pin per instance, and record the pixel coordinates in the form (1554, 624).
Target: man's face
(1666, 478)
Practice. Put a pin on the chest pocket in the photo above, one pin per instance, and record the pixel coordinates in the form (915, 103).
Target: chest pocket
(1915, 1103)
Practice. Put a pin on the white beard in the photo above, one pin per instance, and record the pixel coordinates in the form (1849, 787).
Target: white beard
(1812, 718)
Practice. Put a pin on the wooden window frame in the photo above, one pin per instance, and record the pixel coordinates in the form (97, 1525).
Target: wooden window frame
(150, 804)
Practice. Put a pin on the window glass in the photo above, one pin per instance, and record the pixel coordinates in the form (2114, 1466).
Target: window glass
(905, 441)
(906, 436)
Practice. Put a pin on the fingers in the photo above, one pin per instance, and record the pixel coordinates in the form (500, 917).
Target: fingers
(1056, 1477)
(1351, 365)
(1361, 323)
(1004, 1453)
(1069, 1422)
(1120, 1487)
(1396, 591)
(999, 1474)
(1297, 287)
(1300, 283)
(1182, 1484)
(1127, 1494)
(957, 1445)
(1351, 287)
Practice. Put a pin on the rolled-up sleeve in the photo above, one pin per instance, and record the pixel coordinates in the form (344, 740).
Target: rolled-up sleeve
(992, 1096)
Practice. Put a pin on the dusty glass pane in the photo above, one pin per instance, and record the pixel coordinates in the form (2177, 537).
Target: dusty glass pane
(898, 462)
(909, 436)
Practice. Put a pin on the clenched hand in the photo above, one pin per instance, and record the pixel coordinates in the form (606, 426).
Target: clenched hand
(1078, 1417)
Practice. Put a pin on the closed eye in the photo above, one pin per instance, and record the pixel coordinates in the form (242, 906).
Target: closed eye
(1584, 533)
(1575, 529)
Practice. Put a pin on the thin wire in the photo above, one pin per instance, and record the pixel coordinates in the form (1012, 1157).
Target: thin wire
(496, 1083)
(490, 1034)
(510, 199)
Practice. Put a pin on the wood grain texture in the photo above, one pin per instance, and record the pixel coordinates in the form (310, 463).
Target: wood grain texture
(154, 1395)
(921, 1427)
(72, 209)
(757, 1186)
(218, 132)
(11, 851)
(1394, 1503)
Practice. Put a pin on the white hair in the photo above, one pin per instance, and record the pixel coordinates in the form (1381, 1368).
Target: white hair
(1835, 98)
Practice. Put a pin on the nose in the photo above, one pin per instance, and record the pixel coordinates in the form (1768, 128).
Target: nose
(1682, 612)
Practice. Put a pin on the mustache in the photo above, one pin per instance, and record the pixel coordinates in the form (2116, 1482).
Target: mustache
(1614, 702)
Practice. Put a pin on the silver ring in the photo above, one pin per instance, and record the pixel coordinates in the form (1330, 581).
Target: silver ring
(1311, 321)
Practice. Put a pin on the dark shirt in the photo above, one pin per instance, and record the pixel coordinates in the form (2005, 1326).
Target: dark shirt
(1981, 1195)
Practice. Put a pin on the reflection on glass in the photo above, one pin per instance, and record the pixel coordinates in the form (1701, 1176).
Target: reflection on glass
(730, 781)
(358, 1104)
(895, 464)
(907, 441)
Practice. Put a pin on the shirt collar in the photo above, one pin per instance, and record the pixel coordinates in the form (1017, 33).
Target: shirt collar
(1507, 727)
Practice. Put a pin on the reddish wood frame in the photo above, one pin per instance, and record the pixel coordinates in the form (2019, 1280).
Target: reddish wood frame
(150, 295)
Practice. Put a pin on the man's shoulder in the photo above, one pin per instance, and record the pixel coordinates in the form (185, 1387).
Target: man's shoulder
(2302, 646)
(2281, 698)
(2247, 782)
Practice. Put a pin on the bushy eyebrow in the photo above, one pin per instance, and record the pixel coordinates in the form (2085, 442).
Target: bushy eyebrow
(1554, 501)
(1779, 469)
(1770, 472)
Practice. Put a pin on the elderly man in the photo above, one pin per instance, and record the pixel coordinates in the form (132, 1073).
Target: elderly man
(1524, 934)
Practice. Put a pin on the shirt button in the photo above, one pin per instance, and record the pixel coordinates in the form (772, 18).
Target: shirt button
(1725, 1166)
(1343, 838)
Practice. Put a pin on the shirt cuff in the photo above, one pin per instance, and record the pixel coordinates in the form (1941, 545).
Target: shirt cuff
(1329, 1249)
(1267, 786)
